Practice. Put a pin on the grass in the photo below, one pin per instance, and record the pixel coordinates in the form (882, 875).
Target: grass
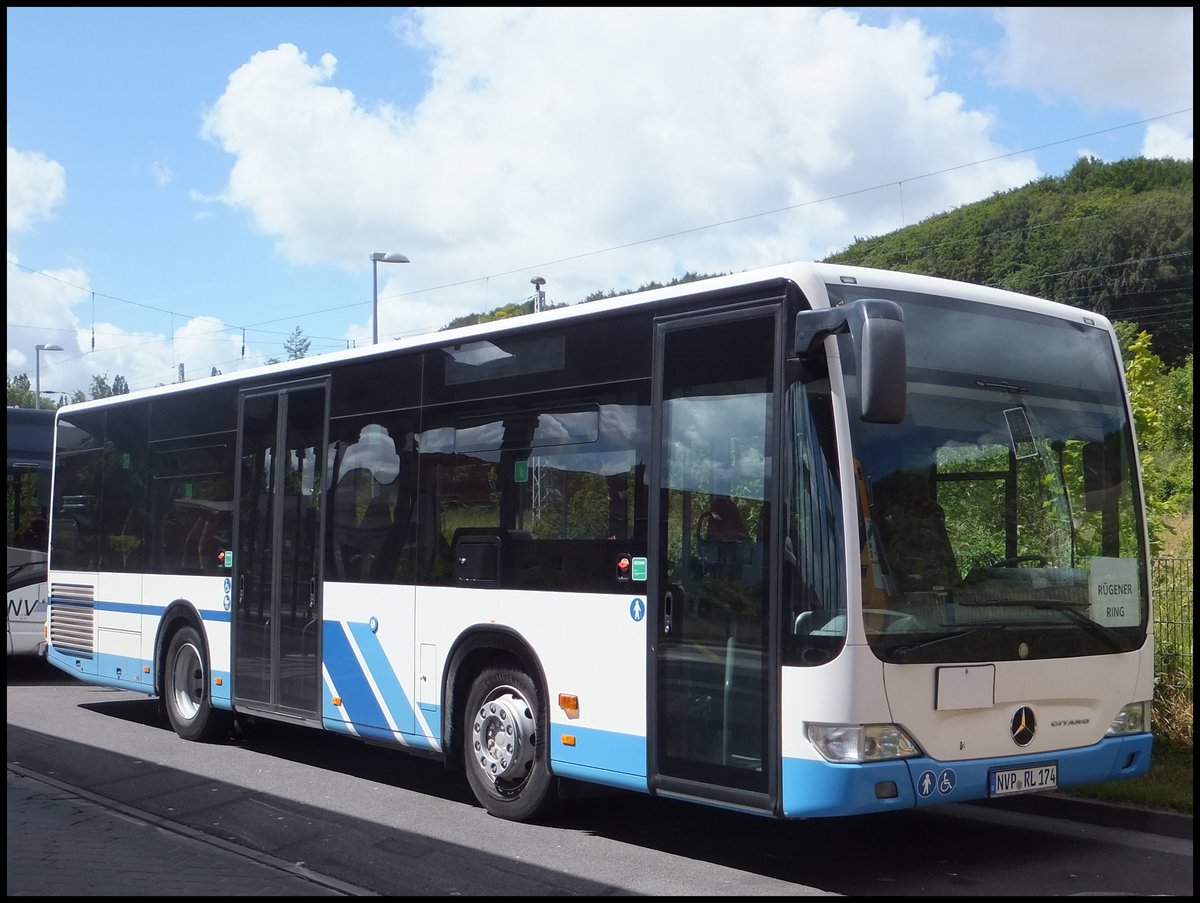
(1167, 786)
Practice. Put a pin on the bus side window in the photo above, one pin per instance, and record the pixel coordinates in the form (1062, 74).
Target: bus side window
(80, 461)
(373, 465)
(191, 506)
(561, 486)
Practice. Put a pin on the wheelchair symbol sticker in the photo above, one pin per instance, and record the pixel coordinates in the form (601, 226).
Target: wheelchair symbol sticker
(946, 781)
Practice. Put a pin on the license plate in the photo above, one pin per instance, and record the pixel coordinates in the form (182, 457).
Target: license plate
(1026, 779)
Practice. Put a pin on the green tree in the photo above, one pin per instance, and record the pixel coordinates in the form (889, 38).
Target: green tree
(296, 345)
(1172, 445)
(102, 389)
(1163, 414)
(100, 386)
(20, 391)
(1115, 238)
(1143, 371)
(679, 280)
(1178, 408)
(503, 312)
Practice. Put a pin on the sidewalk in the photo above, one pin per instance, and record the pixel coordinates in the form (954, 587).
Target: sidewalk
(62, 841)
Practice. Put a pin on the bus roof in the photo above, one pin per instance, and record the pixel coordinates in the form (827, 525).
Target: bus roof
(810, 277)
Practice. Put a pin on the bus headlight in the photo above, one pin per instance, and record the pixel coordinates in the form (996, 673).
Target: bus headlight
(861, 742)
(1133, 719)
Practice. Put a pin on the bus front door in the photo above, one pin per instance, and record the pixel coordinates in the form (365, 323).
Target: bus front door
(714, 723)
(277, 592)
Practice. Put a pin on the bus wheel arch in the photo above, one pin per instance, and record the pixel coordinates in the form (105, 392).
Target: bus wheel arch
(184, 677)
(497, 725)
(178, 614)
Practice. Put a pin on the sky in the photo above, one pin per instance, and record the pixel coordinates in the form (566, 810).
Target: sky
(187, 187)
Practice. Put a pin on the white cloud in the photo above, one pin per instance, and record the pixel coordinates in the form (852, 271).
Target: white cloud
(1124, 58)
(36, 186)
(151, 359)
(45, 308)
(1162, 140)
(160, 172)
(552, 133)
(39, 312)
(1101, 56)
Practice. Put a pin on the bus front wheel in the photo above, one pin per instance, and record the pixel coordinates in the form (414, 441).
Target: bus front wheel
(186, 694)
(505, 745)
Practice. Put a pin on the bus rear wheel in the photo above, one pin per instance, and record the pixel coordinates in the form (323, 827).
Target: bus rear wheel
(186, 694)
(505, 746)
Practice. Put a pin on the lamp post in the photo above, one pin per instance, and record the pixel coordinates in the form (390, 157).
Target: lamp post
(539, 296)
(37, 384)
(377, 258)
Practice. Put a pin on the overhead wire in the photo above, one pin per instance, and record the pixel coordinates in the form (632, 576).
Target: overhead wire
(622, 246)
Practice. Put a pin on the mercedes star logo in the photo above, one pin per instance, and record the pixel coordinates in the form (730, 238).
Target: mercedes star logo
(1024, 725)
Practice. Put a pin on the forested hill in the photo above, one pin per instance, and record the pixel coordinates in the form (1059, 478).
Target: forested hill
(1115, 238)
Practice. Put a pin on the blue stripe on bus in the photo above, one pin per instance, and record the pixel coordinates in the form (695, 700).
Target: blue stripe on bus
(145, 609)
(106, 669)
(358, 703)
(380, 667)
(812, 789)
(222, 684)
(606, 757)
(383, 734)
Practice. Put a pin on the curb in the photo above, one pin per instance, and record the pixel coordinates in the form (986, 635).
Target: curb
(1109, 815)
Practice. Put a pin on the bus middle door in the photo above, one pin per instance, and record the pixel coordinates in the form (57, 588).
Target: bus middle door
(277, 611)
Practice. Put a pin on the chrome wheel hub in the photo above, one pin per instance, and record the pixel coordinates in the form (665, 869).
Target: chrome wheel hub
(503, 736)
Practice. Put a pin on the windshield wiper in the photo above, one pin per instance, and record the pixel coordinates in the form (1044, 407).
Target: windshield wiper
(1109, 636)
(13, 571)
(902, 652)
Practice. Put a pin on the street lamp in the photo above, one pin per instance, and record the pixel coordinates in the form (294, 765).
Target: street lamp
(37, 385)
(377, 258)
(539, 296)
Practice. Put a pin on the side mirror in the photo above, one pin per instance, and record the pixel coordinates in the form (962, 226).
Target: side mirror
(876, 328)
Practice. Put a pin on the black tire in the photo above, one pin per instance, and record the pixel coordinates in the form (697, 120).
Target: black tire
(186, 692)
(505, 741)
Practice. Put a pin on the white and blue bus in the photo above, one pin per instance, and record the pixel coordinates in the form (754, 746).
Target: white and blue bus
(807, 541)
(27, 506)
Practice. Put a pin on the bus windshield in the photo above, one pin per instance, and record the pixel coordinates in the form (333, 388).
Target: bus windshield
(1000, 520)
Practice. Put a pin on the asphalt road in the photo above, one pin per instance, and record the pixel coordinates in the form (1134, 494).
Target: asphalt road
(104, 798)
